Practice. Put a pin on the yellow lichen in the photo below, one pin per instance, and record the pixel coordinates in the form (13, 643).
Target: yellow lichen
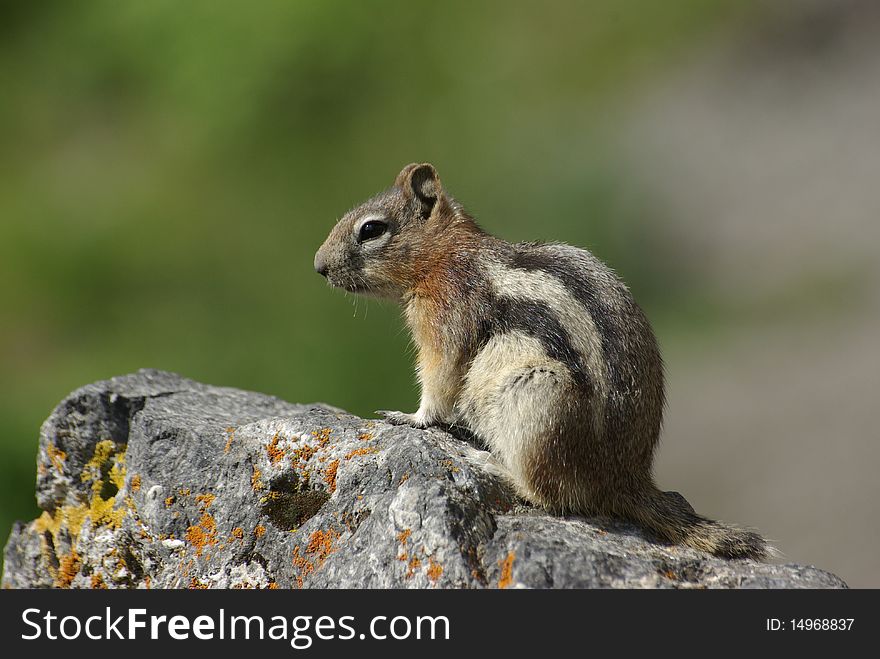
(117, 474)
(101, 511)
(103, 452)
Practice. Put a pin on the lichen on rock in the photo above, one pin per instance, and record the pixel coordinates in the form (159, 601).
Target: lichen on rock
(151, 480)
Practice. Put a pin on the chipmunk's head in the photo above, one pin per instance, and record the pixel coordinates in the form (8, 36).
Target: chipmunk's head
(380, 248)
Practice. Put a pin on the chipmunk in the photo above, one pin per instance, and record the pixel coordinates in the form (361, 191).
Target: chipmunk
(537, 349)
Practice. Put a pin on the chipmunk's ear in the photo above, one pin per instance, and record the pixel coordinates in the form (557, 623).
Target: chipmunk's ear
(420, 181)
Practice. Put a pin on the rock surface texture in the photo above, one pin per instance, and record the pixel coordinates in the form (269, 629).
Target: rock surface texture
(155, 481)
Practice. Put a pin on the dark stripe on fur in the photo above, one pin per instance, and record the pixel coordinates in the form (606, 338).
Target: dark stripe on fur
(537, 320)
(634, 407)
(585, 292)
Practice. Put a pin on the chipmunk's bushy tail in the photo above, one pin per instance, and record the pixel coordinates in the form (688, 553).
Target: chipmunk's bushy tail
(670, 516)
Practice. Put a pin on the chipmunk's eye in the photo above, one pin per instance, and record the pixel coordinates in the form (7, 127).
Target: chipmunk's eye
(372, 229)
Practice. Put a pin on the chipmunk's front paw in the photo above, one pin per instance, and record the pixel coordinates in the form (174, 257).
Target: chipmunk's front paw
(402, 419)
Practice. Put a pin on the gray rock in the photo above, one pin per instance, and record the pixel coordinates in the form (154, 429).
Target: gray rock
(155, 481)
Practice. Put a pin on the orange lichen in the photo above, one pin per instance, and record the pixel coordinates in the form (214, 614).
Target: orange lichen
(205, 501)
(402, 538)
(506, 565)
(365, 436)
(259, 531)
(304, 565)
(404, 478)
(204, 534)
(97, 582)
(256, 483)
(56, 456)
(330, 475)
(195, 584)
(434, 570)
(231, 433)
(321, 544)
(322, 435)
(169, 501)
(300, 456)
(272, 585)
(135, 483)
(238, 533)
(366, 450)
(450, 465)
(412, 566)
(184, 491)
(274, 452)
(68, 568)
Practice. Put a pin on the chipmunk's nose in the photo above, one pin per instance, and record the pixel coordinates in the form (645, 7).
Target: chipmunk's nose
(320, 265)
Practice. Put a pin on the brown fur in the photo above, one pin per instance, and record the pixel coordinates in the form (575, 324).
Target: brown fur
(431, 259)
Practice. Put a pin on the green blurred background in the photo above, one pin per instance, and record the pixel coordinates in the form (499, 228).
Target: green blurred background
(167, 171)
